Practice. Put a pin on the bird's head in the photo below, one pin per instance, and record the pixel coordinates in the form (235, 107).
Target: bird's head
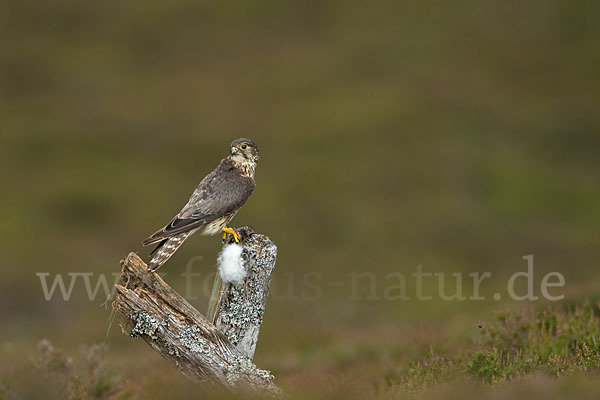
(244, 151)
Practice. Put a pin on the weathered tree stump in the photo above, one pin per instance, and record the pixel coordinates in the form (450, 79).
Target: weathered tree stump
(200, 350)
(237, 310)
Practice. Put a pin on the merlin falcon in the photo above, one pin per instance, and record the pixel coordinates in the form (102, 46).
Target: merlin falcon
(213, 204)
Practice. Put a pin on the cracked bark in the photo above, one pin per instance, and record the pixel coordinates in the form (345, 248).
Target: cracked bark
(218, 353)
(237, 310)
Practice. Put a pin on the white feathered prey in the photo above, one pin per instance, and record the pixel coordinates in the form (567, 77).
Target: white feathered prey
(231, 264)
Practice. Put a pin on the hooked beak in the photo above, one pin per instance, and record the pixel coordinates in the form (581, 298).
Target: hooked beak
(234, 151)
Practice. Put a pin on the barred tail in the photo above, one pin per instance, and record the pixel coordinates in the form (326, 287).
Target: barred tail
(167, 249)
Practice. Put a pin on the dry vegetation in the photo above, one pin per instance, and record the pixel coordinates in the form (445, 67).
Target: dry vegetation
(459, 136)
(517, 355)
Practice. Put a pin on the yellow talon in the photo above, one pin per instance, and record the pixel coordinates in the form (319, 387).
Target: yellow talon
(236, 236)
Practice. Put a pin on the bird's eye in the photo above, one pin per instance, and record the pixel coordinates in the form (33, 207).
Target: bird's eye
(244, 147)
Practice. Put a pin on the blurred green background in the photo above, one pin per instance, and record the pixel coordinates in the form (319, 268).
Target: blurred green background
(459, 136)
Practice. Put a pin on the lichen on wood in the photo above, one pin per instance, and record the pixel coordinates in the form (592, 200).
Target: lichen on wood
(237, 310)
(183, 336)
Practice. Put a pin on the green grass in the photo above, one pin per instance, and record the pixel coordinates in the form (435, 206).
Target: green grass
(553, 342)
(550, 341)
(468, 130)
(550, 345)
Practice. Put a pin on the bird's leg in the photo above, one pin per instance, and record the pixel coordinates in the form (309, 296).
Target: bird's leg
(236, 236)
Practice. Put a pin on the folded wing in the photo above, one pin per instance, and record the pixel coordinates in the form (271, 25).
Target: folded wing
(221, 193)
